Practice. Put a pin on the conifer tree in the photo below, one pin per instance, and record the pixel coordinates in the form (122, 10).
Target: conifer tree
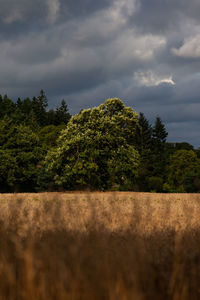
(62, 116)
(39, 106)
(144, 134)
(159, 136)
(144, 142)
(159, 133)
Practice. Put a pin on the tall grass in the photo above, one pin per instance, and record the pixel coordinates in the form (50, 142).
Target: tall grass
(99, 246)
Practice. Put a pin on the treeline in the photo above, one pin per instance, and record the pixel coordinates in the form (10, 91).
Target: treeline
(109, 147)
(27, 131)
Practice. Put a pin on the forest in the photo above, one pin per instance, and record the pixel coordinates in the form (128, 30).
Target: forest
(109, 147)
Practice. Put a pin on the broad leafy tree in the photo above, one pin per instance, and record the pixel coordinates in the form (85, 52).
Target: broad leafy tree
(96, 150)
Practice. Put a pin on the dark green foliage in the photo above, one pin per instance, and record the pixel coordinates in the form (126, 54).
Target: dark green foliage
(173, 147)
(108, 147)
(25, 139)
(25, 106)
(183, 146)
(144, 144)
(151, 143)
(158, 149)
(51, 117)
(49, 134)
(192, 181)
(159, 133)
(155, 184)
(7, 106)
(39, 106)
(62, 115)
(184, 171)
(33, 112)
(59, 116)
(19, 156)
(143, 134)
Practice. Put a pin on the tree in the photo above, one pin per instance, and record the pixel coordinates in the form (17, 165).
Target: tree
(39, 106)
(62, 116)
(155, 184)
(20, 154)
(183, 146)
(96, 150)
(159, 132)
(42, 99)
(51, 117)
(144, 143)
(158, 153)
(183, 169)
(49, 134)
(25, 106)
(7, 106)
(144, 134)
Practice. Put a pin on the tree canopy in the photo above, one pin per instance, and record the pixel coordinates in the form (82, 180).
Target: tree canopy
(96, 150)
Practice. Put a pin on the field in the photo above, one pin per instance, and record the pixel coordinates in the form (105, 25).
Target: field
(115, 245)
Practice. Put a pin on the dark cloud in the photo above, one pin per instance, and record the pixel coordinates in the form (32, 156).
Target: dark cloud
(187, 131)
(82, 8)
(145, 52)
(167, 16)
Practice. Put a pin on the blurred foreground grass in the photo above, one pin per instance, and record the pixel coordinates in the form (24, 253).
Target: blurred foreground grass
(99, 246)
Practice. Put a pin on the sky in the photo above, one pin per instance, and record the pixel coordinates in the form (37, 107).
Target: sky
(145, 52)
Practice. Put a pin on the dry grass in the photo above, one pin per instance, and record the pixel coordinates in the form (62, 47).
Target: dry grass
(99, 246)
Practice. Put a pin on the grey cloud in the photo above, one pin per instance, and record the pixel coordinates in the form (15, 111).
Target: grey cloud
(53, 10)
(189, 49)
(87, 51)
(28, 10)
(21, 10)
(48, 57)
(187, 131)
(174, 103)
(35, 49)
(166, 15)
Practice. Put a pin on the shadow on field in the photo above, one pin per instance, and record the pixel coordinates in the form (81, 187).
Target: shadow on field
(98, 263)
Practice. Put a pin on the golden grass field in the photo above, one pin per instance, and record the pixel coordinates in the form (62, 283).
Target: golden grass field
(113, 245)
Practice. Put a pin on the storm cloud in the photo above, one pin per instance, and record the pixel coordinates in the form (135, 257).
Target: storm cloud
(146, 52)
